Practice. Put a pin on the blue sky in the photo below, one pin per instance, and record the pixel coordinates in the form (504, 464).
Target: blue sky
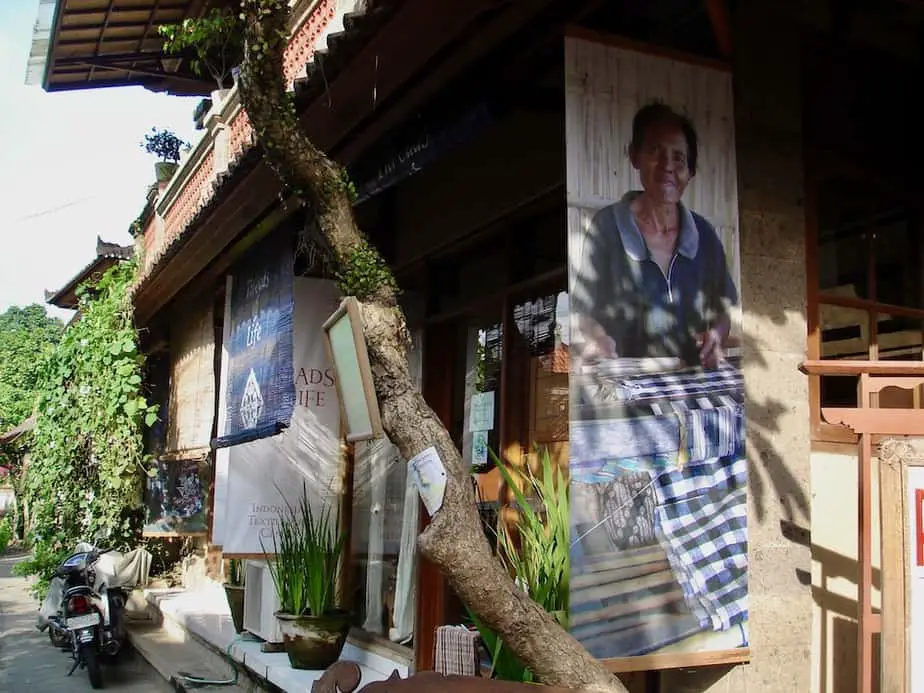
(70, 166)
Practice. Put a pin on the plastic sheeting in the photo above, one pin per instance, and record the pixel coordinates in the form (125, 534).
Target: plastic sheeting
(385, 526)
(254, 480)
(114, 569)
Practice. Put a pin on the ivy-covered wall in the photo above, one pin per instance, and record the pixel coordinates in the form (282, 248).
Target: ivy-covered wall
(87, 465)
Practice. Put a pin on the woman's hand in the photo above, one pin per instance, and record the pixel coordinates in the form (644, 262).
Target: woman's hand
(711, 353)
(597, 343)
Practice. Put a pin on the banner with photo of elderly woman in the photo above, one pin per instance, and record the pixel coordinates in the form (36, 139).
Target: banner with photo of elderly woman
(657, 467)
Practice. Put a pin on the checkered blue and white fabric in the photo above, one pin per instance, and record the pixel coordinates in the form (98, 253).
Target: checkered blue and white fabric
(685, 383)
(702, 525)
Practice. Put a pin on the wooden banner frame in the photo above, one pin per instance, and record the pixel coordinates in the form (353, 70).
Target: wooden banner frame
(895, 459)
(349, 319)
(869, 421)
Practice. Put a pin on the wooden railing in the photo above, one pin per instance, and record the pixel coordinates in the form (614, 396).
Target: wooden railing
(867, 421)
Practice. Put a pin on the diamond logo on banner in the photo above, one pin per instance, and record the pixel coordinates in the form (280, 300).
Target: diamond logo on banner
(251, 402)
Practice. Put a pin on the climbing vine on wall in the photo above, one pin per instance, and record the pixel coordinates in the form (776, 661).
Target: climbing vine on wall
(87, 456)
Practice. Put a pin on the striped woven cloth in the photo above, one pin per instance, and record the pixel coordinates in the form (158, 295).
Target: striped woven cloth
(456, 651)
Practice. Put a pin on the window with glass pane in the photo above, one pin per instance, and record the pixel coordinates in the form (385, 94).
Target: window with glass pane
(539, 359)
(383, 535)
(383, 541)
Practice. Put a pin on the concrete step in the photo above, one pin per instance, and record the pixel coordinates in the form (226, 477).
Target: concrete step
(171, 656)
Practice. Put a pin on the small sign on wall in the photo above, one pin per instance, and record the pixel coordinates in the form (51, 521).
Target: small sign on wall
(347, 345)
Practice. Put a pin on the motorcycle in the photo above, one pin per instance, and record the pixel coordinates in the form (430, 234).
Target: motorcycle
(84, 611)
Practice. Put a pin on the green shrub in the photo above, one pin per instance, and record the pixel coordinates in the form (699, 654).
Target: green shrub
(6, 533)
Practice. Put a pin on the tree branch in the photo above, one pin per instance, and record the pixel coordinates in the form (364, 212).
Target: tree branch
(454, 540)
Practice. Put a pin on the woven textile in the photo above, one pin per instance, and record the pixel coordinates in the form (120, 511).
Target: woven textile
(456, 651)
(684, 383)
(702, 524)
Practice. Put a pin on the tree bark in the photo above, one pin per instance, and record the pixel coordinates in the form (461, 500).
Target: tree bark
(454, 540)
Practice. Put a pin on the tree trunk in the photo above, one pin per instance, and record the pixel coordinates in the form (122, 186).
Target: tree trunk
(454, 540)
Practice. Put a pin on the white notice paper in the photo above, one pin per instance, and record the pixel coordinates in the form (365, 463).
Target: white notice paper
(481, 412)
(479, 448)
(429, 477)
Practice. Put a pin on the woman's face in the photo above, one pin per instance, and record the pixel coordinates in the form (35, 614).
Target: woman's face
(661, 162)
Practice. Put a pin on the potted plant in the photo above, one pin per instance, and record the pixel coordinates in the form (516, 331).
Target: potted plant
(166, 146)
(535, 551)
(307, 545)
(214, 43)
(234, 591)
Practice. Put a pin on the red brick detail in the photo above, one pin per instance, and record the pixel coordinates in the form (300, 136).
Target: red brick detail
(241, 137)
(199, 187)
(195, 194)
(301, 46)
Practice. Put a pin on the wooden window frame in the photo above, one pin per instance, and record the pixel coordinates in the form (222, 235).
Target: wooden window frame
(820, 164)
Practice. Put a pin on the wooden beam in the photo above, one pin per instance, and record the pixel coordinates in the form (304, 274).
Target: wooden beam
(99, 65)
(437, 75)
(370, 79)
(102, 32)
(721, 25)
(890, 368)
(241, 205)
(84, 12)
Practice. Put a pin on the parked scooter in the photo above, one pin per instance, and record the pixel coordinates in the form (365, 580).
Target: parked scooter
(85, 607)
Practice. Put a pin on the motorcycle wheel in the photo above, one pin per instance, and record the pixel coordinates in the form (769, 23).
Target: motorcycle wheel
(91, 661)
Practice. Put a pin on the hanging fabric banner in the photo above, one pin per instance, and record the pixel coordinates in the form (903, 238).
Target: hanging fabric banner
(260, 389)
(192, 381)
(658, 472)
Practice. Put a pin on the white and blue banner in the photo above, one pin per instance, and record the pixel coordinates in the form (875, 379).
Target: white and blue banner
(260, 394)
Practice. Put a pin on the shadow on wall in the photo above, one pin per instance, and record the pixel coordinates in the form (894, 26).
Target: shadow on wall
(838, 623)
(769, 476)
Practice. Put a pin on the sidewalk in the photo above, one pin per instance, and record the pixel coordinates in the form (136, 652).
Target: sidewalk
(28, 662)
(192, 632)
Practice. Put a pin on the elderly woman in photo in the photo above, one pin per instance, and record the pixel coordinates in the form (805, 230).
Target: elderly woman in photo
(653, 276)
(657, 437)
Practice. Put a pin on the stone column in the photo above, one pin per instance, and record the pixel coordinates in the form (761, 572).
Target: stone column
(768, 122)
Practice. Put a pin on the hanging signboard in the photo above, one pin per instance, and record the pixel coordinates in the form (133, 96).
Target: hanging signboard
(176, 499)
(402, 158)
(347, 348)
(658, 470)
(254, 480)
(260, 394)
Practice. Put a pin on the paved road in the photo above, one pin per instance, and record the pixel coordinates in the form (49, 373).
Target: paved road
(29, 664)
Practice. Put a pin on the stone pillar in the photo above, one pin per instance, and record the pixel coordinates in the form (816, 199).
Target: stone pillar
(768, 122)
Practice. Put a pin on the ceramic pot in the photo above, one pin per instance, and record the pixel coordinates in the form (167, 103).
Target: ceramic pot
(235, 595)
(164, 170)
(314, 642)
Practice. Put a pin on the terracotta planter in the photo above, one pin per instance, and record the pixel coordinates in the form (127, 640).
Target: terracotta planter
(235, 595)
(314, 642)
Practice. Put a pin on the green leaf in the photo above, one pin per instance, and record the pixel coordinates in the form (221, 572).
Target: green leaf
(150, 419)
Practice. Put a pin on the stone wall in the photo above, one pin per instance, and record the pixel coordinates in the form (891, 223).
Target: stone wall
(768, 121)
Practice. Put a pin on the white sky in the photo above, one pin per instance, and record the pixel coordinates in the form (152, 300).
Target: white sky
(71, 168)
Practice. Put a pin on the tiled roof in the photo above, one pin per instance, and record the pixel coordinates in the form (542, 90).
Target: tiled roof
(107, 254)
(325, 65)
